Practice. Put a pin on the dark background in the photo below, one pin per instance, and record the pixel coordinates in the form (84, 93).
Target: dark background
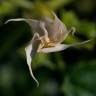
(71, 72)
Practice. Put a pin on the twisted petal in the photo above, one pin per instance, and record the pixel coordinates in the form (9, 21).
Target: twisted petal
(34, 24)
(60, 47)
(57, 47)
(57, 31)
(31, 50)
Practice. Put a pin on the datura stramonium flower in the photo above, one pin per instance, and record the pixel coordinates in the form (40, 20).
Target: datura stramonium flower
(48, 34)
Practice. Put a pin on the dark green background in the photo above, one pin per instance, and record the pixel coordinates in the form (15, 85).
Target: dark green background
(71, 72)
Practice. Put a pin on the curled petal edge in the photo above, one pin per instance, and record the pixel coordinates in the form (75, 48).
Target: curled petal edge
(29, 55)
(29, 48)
(60, 47)
(19, 19)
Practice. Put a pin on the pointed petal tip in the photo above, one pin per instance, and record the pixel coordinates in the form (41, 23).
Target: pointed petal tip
(32, 75)
(7, 21)
(10, 20)
(85, 42)
(73, 30)
(79, 43)
(28, 51)
(17, 19)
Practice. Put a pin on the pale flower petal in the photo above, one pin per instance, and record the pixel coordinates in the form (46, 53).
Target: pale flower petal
(31, 50)
(48, 34)
(34, 24)
(60, 47)
(56, 48)
(56, 29)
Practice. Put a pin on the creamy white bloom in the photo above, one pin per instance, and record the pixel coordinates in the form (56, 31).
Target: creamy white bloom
(48, 35)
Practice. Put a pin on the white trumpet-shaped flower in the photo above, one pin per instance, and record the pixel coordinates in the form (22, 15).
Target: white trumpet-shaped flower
(48, 35)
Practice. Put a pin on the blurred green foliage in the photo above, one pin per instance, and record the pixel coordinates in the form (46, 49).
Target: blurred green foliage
(71, 72)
